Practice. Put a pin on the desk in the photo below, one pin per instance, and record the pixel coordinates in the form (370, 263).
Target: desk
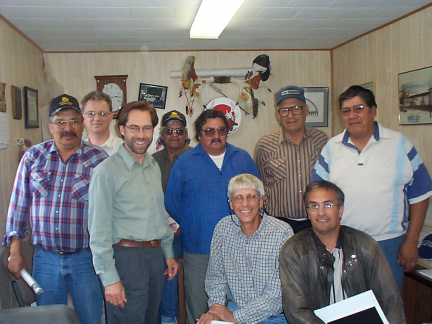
(417, 297)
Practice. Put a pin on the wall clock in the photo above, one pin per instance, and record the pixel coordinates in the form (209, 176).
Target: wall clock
(115, 87)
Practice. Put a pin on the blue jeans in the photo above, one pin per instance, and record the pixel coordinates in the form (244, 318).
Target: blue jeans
(73, 273)
(279, 319)
(391, 251)
(169, 303)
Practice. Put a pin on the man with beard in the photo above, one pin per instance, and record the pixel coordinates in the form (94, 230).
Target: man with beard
(196, 197)
(51, 191)
(129, 231)
(174, 136)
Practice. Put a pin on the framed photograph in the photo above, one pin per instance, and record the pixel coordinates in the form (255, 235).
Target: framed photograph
(317, 100)
(2, 97)
(31, 108)
(370, 86)
(155, 94)
(415, 97)
(16, 103)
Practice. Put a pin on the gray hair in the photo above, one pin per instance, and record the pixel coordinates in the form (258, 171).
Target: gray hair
(245, 181)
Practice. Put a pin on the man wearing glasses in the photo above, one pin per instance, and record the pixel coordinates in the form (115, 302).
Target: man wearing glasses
(242, 279)
(174, 136)
(195, 197)
(129, 232)
(384, 179)
(285, 158)
(328, 263)
(97, 113)
(51, 192)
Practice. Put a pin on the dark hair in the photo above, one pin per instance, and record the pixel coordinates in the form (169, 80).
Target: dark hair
(206, 114)
(327, 185)
(137, 105)
(356, 90)
(97, 95)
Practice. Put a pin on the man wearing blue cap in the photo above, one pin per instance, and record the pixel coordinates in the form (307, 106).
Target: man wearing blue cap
(285, 158)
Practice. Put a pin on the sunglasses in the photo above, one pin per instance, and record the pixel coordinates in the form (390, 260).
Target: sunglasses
(178, 131)
(209, 132)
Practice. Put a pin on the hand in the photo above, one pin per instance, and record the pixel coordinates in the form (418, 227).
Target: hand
(16, 264)
(115, 294)
(207, 318)
(223, 312)
(408, 255)
(172, 268)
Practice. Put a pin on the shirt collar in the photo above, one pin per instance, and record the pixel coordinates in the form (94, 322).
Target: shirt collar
(379, 133)
(78, 152)
(129, 161)
(307, 134)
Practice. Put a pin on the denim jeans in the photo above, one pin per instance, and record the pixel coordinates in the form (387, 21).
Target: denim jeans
(279, 319)
(73, 273)
(390, 248)
(169, 303)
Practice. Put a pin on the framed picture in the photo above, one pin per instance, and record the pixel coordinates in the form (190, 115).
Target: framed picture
(317, 100)
(2, 97)
(16, 102)
(370, 86)
(415, 97)
(155, 94)
(31, 108)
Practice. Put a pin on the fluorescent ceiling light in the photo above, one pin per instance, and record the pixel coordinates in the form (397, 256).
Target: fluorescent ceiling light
(212, 18)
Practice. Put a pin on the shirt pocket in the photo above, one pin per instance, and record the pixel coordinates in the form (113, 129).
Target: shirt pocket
(276, 169)
(80, 187)
(39, 183)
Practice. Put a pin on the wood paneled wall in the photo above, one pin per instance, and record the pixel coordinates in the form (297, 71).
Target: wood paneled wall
(379, 57)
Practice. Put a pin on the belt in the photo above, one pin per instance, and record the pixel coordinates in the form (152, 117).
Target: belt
(138, 244)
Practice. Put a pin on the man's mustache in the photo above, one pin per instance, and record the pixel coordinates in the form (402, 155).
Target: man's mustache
(67, 134)
(216, 140)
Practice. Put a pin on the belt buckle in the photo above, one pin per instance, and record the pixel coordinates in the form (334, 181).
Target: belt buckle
(153, 243)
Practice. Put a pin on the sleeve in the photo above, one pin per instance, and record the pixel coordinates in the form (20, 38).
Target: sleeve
(258, 157)
(100, 224)
(294, 293)
(420, 186)
(174, 192)
(216, 283)
(19, 205)
(384, 286)
(252, 169)
(321, 170)
(269, 303)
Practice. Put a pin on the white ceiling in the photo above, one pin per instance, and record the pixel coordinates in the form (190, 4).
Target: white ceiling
(132, 25)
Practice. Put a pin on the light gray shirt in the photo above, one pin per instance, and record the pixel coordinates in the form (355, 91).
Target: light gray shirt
(125, 202)
(111, 145)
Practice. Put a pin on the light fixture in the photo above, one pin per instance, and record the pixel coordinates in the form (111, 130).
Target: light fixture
(212, 18)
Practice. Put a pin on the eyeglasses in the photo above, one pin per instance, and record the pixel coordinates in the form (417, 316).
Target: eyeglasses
(296, 110)
(102, 114)
(61, 123)
(356, 109)
(178, 131)
(134, 129)
(314, 207)
(249, 198)
(209, 132)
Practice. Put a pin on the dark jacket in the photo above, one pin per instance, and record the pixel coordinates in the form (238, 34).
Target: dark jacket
(306, 273)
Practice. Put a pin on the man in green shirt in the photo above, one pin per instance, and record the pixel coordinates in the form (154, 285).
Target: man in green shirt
(129, 231)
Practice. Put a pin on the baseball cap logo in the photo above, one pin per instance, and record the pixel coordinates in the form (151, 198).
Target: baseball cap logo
(65, 101)
(288, 92)
(174, 115)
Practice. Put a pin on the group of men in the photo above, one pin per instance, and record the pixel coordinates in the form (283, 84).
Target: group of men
(118, 219)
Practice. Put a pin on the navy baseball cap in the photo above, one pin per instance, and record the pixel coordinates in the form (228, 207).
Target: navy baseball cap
(290, 92)
(425, 249)
(62, 102)
(173, 115)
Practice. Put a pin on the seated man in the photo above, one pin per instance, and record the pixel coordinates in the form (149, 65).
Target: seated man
(243, 268)
(327, 263)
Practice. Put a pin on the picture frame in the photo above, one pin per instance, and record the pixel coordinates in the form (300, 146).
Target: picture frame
(415, 97)
(154, 94)
(31, 108)
(16, 102)
(370, 86)
(317, 99)
(2, 97)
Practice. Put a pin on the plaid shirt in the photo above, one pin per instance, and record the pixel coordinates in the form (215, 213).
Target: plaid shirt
(54, 195)
(246, 269)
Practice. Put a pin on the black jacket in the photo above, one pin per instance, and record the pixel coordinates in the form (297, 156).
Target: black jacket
(306, 273)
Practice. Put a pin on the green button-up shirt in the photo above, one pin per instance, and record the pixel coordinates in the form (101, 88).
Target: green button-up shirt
(125, 202)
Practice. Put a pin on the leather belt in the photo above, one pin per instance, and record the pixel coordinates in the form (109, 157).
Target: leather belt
(138, 244)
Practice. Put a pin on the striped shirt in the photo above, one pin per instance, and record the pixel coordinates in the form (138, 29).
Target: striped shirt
(246, 269)
(54, 195)
(285, 170)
